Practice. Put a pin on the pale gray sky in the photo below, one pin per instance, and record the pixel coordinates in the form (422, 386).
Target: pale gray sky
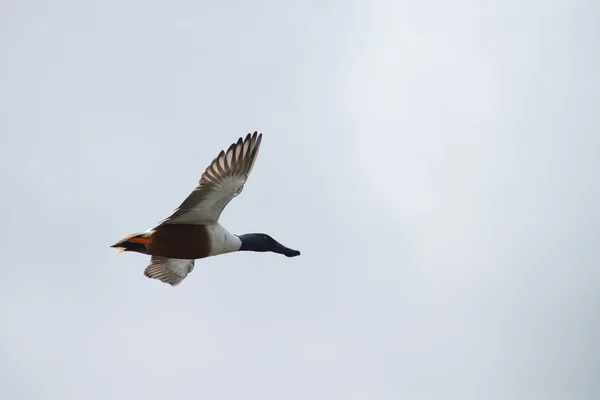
(436, 163)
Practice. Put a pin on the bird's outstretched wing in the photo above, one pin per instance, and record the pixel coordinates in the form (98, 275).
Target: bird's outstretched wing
(169, 270)
(220, 183)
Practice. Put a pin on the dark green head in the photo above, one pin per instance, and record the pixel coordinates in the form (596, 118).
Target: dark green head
(263, 242)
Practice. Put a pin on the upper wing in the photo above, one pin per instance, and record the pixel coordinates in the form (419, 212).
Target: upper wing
(221, 181)
(169, 270)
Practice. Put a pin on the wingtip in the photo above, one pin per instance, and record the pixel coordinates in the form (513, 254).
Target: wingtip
(254, 135)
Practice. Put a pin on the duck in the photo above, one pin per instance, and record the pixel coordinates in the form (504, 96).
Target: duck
(193, 230)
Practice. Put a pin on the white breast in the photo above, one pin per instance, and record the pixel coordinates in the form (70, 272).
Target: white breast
(222, 241)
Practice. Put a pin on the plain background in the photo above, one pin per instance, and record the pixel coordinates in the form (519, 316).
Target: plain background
(435, 162)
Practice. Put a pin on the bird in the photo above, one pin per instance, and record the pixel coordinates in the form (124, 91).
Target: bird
(193, 230)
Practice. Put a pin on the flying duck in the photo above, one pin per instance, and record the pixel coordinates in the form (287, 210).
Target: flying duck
(193, 231)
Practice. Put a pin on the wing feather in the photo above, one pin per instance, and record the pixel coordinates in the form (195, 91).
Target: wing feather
(169, 270)
(222, 180)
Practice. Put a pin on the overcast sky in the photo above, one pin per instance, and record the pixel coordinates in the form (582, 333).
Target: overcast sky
(435, 162)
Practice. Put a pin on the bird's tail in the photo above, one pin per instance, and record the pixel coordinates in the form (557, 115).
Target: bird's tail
(137, 242)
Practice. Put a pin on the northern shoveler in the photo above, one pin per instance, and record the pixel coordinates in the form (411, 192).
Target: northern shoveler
(193, 230)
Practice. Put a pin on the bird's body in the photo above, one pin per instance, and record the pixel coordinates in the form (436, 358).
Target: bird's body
(193, 231)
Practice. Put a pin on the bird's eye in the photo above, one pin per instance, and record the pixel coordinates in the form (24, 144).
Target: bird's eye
(266, 237)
